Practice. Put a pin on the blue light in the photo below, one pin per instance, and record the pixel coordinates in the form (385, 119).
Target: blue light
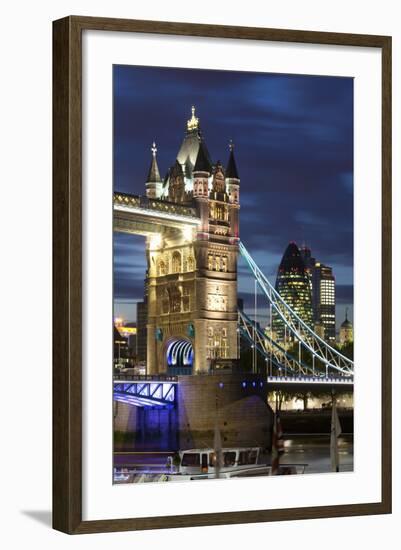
(244, 384)
(221, 385)
(180, 354)
(254, 384)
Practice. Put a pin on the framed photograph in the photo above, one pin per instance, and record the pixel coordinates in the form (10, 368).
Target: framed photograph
(222, 281)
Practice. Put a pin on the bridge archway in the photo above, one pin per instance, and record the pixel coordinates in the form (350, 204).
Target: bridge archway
(179, 356)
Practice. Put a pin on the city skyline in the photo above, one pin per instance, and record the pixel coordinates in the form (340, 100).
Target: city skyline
(293, 144)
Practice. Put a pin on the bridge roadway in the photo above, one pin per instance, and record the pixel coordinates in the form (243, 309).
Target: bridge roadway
(310, 382)
(143, 216)
(160, 390)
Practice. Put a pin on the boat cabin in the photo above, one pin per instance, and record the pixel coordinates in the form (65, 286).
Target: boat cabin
(204, 461)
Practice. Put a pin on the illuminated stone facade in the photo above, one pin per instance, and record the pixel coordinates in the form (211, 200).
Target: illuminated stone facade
(192, 273)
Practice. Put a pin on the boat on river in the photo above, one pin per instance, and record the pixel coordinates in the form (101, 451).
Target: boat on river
(228, 463)
(207, 463)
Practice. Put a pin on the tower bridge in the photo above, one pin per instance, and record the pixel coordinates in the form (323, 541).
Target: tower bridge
(190, 220)
(143, 216)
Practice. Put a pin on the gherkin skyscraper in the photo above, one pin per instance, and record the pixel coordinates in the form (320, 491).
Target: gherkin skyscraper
(293, 285)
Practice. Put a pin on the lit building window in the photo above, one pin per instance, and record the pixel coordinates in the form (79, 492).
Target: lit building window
(176, 262)
(219, 212)
(218, 345)
(161, 269)
(175, 300)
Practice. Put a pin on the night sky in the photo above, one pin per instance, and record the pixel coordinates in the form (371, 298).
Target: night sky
(293, 140)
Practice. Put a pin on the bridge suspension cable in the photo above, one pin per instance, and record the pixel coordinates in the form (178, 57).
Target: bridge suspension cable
(283, 361)
(297, 328)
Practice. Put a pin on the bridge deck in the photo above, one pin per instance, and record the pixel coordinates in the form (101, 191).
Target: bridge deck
(138, 214)
(145, 391)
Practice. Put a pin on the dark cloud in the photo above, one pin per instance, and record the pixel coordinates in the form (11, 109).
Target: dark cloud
(294, 149)
(129, 267)
(345, 294)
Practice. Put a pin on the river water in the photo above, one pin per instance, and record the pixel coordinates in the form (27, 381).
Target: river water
(314, 450)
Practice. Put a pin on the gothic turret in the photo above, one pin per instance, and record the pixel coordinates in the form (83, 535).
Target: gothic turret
(154, 183)
(189, 149)
(218, 191)
(201, 172)
(176, 190)
(232, 178)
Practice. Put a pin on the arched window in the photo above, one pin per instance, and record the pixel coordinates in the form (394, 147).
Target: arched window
(161, 268)
(175, 300)
(220, 212)
(165, 301)
(176, 262)
(185, 299)
(191, 263)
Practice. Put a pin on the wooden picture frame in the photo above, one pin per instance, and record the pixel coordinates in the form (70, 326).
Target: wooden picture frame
(67, 274)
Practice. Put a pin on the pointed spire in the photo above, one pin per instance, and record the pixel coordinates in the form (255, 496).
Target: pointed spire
(231, 171)
(176, 170)
(202, 163)
(154, 174)
(346, 323)
(193, 122)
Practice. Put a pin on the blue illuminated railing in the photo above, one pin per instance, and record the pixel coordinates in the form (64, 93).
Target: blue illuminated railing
(146, 393)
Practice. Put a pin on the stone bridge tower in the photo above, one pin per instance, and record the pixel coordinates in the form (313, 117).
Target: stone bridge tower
(192, 274)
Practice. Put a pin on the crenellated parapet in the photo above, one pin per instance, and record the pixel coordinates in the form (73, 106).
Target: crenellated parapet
(140, 201)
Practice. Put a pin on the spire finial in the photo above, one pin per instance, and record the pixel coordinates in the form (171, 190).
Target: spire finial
(154, 174)
(193, 122)
(346, 314)
(231, 170)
